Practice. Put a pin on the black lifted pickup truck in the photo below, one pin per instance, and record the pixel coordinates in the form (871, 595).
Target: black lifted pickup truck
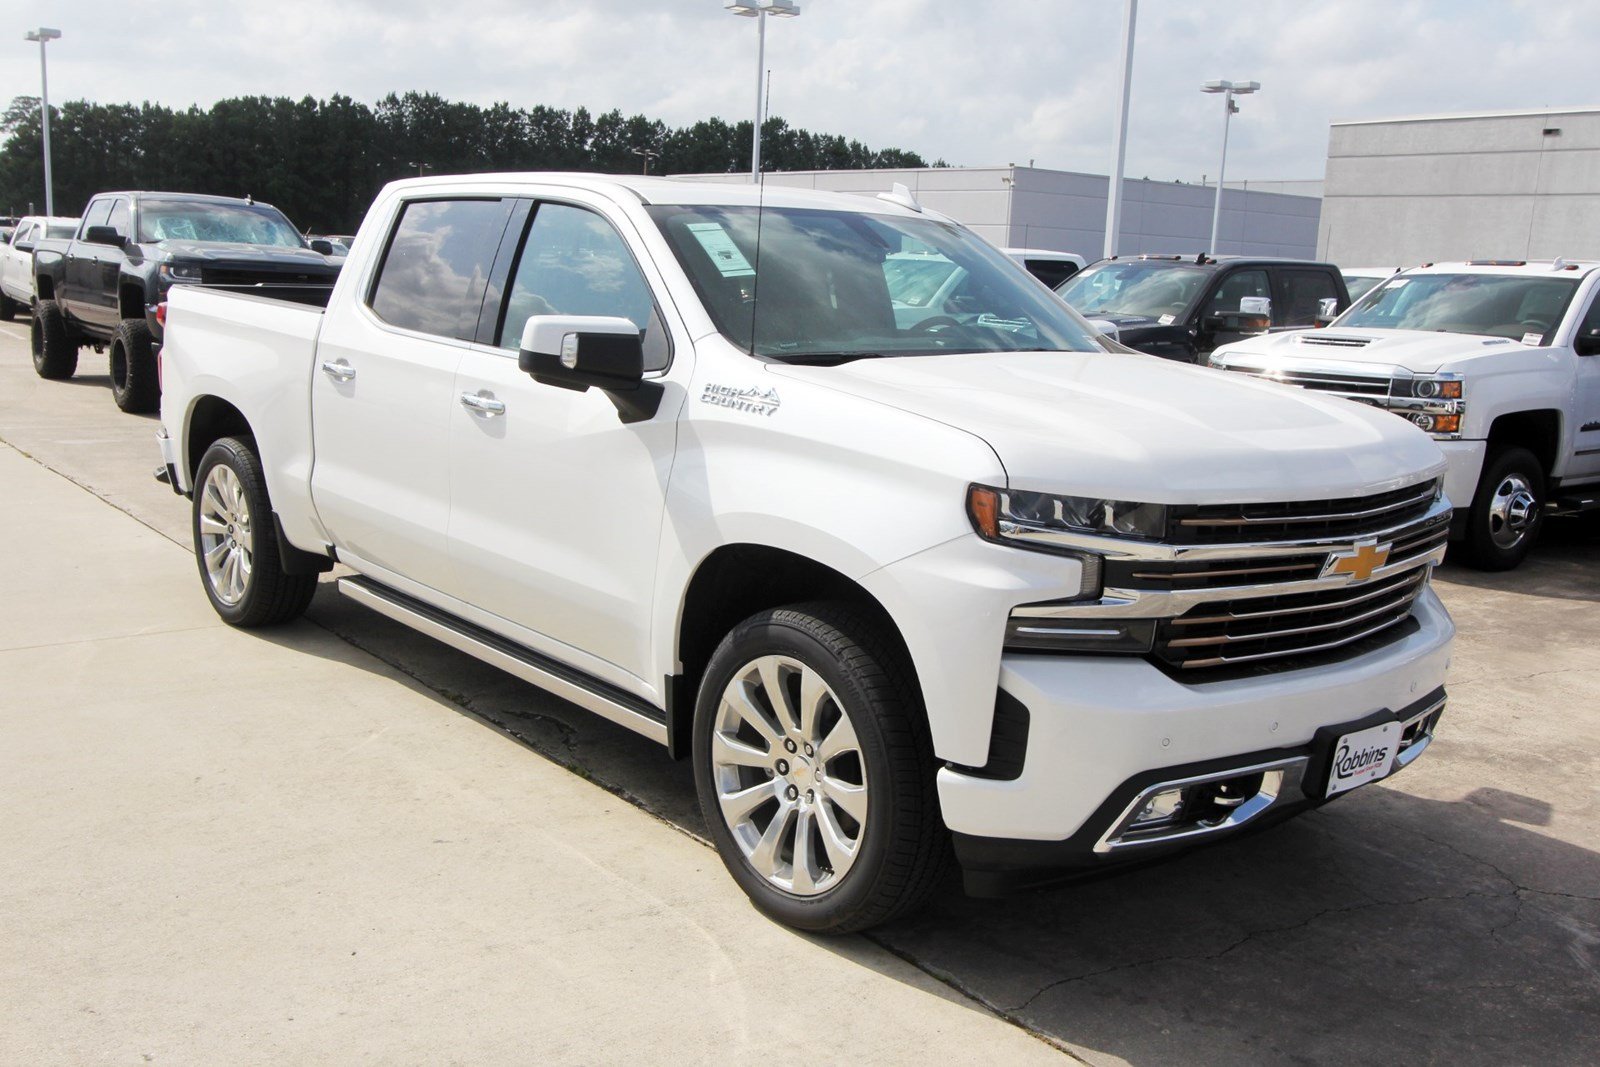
(104, 287)
(1182, 307)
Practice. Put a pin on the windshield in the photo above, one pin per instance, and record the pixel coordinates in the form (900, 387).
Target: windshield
(1496, 305)
(1133, 288)
(837, 285)
(1361, 284)
(176, 220)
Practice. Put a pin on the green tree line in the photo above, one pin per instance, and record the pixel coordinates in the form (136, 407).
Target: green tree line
(322, 161)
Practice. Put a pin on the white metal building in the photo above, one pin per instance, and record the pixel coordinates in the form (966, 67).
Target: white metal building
(1029, 207)
(1485, 185)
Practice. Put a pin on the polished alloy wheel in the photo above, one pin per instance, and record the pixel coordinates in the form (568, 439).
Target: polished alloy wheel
(225, 540)
(790, 776)
(1512, 511)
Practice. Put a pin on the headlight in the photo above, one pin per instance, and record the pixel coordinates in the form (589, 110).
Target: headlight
(179, 272)
(1437, 387)
(1011, 516)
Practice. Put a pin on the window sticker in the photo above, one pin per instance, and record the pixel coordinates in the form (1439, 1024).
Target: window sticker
(1167, 320)
(720, 247)
(1532, 338)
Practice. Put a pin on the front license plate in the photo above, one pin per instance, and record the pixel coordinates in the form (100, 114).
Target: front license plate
(1362, 757)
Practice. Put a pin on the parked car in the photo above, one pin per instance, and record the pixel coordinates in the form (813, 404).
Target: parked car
(1360, 280)
(104, 286)
(1048, 266)
(1494, 359)
(16, 260)
(1182, 307)
(882, 573)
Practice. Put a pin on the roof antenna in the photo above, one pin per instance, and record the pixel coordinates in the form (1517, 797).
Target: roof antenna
(902, 196)
(755, 282)
(249, 199)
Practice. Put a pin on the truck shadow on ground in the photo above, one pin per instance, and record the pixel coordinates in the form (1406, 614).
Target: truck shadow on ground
(1384, 927)
(1560, 565)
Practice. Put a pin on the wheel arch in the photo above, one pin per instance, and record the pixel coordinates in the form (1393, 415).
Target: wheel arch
(210, 419)
(1538, 430)
(733, 582)
(130, 299)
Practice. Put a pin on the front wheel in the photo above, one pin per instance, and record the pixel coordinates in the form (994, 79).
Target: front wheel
(814, 771)
(235, 543)
(1507, 511)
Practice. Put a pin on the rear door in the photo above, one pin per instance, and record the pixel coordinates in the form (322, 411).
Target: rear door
(1297, 293)
(556, 502)
(382, 394)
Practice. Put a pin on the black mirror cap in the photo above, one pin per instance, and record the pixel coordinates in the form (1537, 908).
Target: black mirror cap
(613, 362)
(322, 247)
(103, 235)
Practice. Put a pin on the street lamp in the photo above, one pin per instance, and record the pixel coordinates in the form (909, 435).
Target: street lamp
(647, 154)
(1130, 14)
(1229, 90)
(759, 10)
(43, 35)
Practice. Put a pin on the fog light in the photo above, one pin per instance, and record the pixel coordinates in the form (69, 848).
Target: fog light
(1424, 422)
(1164, 806)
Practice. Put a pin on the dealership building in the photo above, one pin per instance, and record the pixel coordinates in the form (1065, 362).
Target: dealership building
(1486, 185)
(1065, 211)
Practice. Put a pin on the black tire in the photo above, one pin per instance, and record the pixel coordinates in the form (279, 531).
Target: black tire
(902, 849)
(8, 308)
(1493, 542)
(269, 596)
(55, 350)
(135, 379)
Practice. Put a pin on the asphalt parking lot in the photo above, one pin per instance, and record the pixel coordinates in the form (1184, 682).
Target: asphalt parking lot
(1450, 914)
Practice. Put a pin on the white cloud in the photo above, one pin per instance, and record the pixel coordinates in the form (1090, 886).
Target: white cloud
(969, 80)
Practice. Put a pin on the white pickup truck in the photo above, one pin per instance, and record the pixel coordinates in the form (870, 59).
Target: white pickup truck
(16, 260)
(890, 577)
(1496, 360)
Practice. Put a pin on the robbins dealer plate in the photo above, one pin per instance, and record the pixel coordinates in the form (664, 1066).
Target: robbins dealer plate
(1362, 757)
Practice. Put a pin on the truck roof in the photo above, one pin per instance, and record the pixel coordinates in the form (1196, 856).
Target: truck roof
(156, 194)
(673, 191)
(1516, 267)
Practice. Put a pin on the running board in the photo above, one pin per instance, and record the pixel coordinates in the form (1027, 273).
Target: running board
(1572, 504)
(569, 683)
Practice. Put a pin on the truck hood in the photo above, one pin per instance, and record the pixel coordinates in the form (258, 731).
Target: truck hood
(1411, 350)
(1135, 427)
(268, 257)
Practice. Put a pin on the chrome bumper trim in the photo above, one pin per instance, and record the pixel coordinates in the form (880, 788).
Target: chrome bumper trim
(1281, 781)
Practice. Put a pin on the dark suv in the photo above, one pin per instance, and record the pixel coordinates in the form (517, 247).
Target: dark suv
(1182, 307)
(104, 286)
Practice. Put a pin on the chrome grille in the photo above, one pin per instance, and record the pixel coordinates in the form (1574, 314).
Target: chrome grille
(1299, 520)
(1351, 385)
(1236, 632)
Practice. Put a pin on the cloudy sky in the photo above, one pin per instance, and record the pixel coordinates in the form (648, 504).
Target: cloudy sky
(972, 81)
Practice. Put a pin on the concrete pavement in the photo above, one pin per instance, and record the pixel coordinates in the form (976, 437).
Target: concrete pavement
(225, 847)
(1450, 914)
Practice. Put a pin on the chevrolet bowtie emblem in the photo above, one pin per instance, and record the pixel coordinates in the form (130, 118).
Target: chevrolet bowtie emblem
(1358, 563)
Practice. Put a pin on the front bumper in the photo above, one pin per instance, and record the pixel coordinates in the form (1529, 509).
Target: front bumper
(1461, 480)
(1102, 729)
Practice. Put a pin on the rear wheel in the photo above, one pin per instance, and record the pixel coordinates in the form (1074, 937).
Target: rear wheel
(814, 770)
(1507, 511)
(55, 350)
(134, 383)
(235, 543)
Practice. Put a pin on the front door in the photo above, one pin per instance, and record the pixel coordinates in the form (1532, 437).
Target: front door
(382, 393)
(1585, 420)
(1238, 307)
(557, 503)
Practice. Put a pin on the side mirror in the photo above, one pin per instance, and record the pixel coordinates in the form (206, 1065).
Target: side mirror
(103, 235)
(24, 246)
(322, 247)
(1327, 310)
(580, 352)
(1587, 343)
(1256, 306)
(1106, 328)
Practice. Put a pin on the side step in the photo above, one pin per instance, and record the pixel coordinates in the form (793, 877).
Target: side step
(1572, 504)
(569, 683)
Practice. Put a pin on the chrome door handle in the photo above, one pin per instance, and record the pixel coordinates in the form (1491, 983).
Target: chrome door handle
(338, 370)
(483, 404)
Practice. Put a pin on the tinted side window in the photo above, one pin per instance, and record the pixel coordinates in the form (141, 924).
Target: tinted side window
(1590, 327)
(1052, 271)
(434, 272)
(119, 219)
(1303, 290)
(96, 215)
(575, 263)
(1235, 288)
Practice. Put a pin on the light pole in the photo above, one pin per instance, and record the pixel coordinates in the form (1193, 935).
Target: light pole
(647, 154)
(1114, 193)
(44, 35)
(759, 10)
(1229, 90)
